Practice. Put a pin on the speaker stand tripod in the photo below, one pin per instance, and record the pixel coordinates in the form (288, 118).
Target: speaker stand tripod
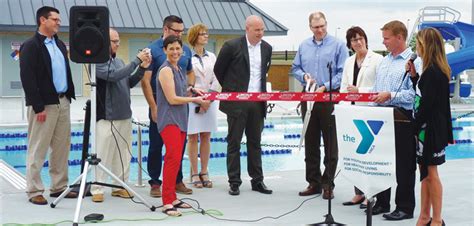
(92, 160)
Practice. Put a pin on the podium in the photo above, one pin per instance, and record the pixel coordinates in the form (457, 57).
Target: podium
(402, 115)
(366, 141)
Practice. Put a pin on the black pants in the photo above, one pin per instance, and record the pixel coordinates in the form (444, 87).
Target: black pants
(321, 121)
(405, 170)
(250, 121)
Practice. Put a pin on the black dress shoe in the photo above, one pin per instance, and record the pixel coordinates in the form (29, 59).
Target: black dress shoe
(397, 215)
(260, 187)
(376, 210)
(234, 189)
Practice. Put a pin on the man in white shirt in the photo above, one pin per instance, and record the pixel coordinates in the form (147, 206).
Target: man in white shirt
(241, 66)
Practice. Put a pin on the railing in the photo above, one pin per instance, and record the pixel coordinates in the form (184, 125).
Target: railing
(441, 14)
(283, 55)
(438, 14)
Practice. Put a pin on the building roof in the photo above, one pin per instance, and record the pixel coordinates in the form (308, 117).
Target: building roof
(145, 16)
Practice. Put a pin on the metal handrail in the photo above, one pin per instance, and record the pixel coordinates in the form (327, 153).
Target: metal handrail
(139, 153)
(439, 14)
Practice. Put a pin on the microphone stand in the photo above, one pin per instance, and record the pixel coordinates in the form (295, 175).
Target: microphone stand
(329, 218)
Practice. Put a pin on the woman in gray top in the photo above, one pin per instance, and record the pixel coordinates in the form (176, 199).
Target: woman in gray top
(172, 97)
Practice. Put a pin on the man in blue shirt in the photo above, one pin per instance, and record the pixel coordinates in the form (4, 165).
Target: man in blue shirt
(395, 89)
(47, 82)
(172, 25)
(311, 66)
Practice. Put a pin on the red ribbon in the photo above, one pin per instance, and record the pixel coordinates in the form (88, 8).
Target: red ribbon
(291, 96)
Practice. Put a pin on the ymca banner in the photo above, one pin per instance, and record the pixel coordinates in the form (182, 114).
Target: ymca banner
(366, 141)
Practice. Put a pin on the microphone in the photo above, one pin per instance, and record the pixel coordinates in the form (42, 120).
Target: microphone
(329, 66)
(413, 57)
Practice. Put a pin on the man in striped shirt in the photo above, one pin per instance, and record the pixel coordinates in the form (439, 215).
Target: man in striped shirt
(395, 89)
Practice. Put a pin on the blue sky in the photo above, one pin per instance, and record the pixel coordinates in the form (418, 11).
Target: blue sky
(371, 15)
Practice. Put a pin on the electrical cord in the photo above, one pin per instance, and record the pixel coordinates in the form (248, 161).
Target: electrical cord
(210, 213)
(398, 90)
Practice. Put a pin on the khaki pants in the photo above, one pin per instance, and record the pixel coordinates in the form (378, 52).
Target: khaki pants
(113, 156)
(54, 133)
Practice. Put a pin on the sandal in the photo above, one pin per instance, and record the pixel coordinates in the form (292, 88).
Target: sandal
(196, 183)
(173, 212)
(205, 183)
(181, 205)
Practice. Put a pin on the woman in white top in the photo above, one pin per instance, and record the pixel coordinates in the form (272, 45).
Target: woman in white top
(359, 69)
(359, 77)
(202, 118)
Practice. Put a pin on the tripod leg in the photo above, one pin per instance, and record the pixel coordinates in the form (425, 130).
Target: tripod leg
(65, 192)
(102, 167)
(81, 193)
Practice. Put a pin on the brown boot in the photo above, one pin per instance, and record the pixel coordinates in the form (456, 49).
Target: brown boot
(98, 198)
(182, 189)
(155, 191)
(38, 200)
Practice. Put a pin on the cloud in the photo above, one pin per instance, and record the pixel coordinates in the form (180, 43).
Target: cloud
(371, 15)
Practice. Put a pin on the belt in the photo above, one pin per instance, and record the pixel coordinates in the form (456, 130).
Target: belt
(61, 95)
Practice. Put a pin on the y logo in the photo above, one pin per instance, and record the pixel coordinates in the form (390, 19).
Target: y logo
(367, 137)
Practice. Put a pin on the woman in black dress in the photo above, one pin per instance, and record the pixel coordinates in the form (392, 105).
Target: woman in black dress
(432, 121)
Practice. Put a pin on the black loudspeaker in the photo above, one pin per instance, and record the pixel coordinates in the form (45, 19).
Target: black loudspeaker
(89, 40)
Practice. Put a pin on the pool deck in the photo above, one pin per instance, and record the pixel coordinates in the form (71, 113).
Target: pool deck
(456, 176)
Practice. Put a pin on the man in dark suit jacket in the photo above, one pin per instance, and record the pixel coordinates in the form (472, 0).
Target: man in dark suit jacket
(47, 82)
(241, 66)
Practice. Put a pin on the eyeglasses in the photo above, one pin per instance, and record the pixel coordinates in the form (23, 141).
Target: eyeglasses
(354, 40)
(203, 34)
(116, 42)
(175, 30)
(318, 27)
(57, 20)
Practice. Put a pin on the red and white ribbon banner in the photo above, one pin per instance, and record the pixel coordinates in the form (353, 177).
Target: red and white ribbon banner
(290, 96)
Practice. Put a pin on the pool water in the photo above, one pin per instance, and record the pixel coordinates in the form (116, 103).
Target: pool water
(279, 145)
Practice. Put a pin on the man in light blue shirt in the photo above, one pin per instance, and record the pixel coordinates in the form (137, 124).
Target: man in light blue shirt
(395, 89)
(310, 65)
(47, 82)
(392, 91)
(58, 64)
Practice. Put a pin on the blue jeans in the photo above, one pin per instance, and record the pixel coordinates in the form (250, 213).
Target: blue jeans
(155, 155)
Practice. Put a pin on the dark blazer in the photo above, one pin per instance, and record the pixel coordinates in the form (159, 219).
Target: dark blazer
(37, 74)
(232, 69)
(434, 110)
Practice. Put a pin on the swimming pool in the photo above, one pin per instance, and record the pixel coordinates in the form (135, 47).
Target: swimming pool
(279, 140)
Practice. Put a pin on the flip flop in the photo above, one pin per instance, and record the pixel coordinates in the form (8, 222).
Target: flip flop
(182, 205)
(170, 211)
